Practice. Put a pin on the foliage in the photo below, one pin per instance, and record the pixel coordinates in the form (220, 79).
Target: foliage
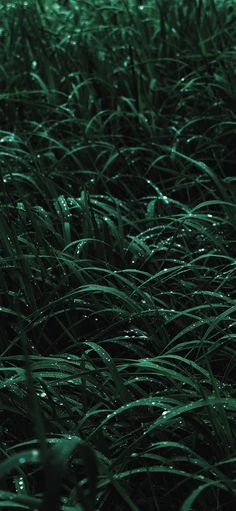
(117, 255)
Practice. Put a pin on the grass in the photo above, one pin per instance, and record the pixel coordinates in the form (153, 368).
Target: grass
(117, 254)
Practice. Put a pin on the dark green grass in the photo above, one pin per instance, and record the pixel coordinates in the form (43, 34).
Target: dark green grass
(117, 254)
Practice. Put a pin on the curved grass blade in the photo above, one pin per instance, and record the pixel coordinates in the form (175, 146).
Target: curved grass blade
(56, 466)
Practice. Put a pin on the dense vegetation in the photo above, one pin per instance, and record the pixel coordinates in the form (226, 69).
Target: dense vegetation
(117, 255)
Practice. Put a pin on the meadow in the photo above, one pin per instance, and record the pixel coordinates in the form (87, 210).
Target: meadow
(117, 255)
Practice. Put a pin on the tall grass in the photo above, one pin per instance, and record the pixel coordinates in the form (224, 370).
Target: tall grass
(117, 254)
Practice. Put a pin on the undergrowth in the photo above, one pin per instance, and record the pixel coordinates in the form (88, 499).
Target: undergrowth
(117, 255)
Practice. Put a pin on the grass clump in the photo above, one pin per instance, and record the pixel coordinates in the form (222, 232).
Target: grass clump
(117, 254)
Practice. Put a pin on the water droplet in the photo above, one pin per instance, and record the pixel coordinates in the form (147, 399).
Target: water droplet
(164, 413)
